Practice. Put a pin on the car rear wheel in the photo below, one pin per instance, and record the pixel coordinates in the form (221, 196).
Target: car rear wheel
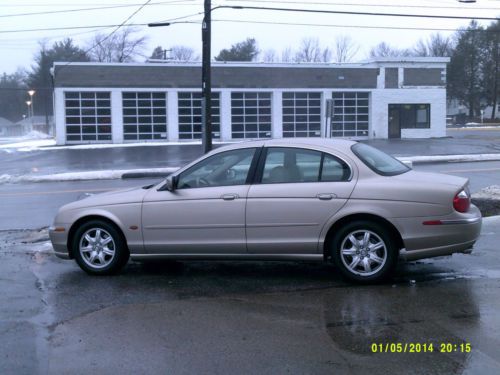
(364, 251)
(100, 248)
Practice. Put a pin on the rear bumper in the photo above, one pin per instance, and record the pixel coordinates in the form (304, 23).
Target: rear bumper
(464, 248)
(456, 233)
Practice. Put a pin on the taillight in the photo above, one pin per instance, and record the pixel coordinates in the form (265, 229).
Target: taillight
(461, 202)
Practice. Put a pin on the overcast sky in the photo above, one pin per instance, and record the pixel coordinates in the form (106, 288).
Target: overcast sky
(230, 25)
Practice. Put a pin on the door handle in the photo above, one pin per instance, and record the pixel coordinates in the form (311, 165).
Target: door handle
(229, 197)
(325, 196)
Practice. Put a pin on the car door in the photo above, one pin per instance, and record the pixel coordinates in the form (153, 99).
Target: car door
(206, 211)
(295, 194)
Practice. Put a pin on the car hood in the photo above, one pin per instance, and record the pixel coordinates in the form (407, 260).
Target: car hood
(122, 196)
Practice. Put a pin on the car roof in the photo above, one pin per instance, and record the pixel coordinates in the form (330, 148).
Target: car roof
(334, 144)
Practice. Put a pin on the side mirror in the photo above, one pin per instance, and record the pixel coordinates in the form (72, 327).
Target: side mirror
(171, 183)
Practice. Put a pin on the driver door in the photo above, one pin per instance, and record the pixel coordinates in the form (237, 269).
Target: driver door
(206, 211)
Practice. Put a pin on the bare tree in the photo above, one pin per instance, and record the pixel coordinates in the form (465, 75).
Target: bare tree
(183, 53)
(345, 48)
(123, 46)
(311, 51)
(440, 45)
(287, 55)
(436, 45)
(385, 50)
(270, 55)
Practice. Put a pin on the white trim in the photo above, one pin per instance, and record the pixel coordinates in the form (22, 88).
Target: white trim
(277, 114)
(172, 116)
(225, 115)
(116, 116)
(59, 116)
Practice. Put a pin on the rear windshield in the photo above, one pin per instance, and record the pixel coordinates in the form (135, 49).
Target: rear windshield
(379, 161)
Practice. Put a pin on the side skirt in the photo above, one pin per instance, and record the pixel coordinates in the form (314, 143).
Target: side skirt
(263, 257)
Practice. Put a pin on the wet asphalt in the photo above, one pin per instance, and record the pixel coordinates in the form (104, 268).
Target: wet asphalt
(245, 317)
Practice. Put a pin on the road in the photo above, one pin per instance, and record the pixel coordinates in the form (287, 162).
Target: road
(34, 205)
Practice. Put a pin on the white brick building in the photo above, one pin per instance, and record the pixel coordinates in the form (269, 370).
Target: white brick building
(382, 98)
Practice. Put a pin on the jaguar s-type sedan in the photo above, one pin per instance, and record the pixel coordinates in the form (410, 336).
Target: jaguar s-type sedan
(297, 199)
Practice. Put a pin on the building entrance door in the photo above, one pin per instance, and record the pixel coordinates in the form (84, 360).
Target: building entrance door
(394, 121)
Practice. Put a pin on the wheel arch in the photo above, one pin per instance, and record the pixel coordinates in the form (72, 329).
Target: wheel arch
(394, 232)
(82, 220)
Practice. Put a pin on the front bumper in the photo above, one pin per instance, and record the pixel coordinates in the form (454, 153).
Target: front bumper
(59, 239)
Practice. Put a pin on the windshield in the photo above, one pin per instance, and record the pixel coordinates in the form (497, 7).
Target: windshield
(379, 161)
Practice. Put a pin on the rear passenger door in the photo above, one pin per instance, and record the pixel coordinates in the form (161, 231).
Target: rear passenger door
(296, 191)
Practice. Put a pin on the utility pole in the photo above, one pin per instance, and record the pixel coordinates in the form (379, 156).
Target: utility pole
(206, 84)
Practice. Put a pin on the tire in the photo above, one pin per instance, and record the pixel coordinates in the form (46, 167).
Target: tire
(360, 261)
(100, 248)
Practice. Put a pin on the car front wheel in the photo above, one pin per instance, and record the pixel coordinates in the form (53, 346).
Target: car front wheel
(99, 248)
(364, 251)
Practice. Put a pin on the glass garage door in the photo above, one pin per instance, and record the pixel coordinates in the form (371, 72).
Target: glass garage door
(190, 115)
(144, 116)
(88, 116)
(350, 114)
(251, 115)
(301, 114)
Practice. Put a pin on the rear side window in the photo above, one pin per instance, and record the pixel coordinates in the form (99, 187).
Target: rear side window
(291, 165)
(378, 161)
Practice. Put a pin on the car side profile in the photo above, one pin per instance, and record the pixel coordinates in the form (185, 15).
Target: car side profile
(296, 199)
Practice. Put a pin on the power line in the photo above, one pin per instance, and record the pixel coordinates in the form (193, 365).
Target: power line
(174, 2)
(342, 26)
(325, 11)
(366, 5)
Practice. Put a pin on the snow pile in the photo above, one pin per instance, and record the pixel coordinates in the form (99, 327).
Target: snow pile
(35, 135)
(83, 176)
(489, 192)
(25, 240)
(450, 158)
(47, 144)
(28, 145)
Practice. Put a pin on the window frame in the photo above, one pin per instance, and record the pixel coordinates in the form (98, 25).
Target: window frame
(414, 110)
(262, 162)
(250, 175)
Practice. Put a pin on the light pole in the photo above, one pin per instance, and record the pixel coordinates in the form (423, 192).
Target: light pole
(31, 93)
(28, 103)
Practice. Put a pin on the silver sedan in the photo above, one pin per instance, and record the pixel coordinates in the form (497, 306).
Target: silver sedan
(297, 199)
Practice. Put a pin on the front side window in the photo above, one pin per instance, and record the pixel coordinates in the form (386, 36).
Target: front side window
(379, 161)
(290, 165)
(224, 169)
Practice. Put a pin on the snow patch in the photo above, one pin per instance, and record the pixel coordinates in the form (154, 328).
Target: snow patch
(50, 144)
(450, 158)
(489, 192)
(28, 145)
(83, 176)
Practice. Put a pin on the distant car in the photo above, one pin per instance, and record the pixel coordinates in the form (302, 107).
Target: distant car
(294, 199)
